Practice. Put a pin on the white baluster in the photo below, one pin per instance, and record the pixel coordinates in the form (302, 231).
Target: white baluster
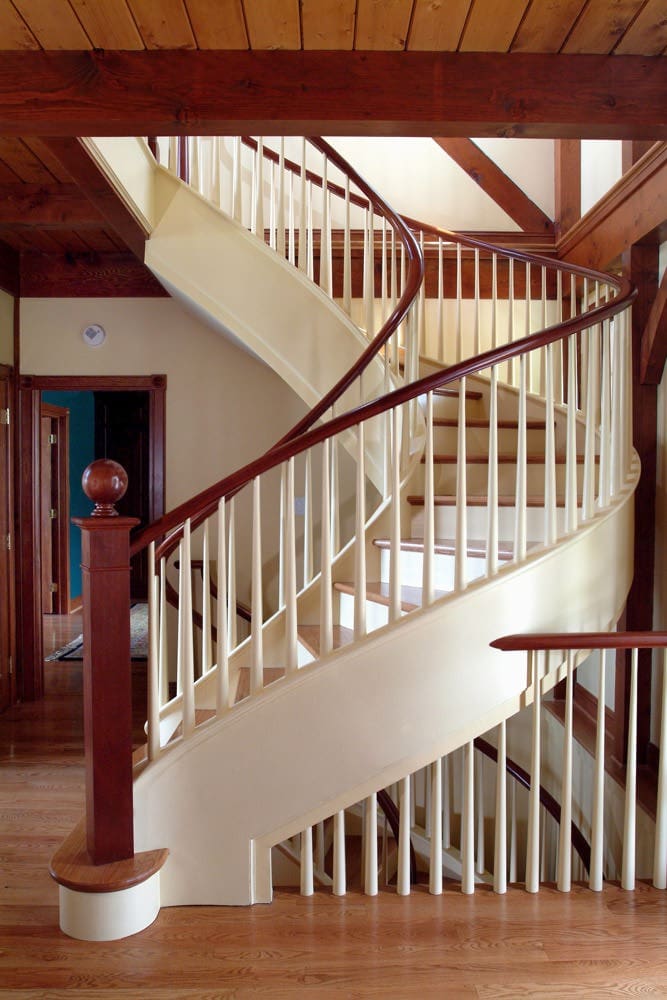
(222, 694)
(395, 524)
(206, 637)
(429, 509)
(468, 821)
(291, 246)
(461, 548)
(371, 842)
(291, 640)
(326, 610)
(550, 529)
(307, 888)
(500, 834)
(335, 495)
(565, 830)
(533, 843)
(237, 189)
(435, 812)
(280, 210)
(446, 805)
(571, 488)
(153, 666)
(629, 818)
(303, 212)
(559, 373)
(421, 314)
(163, 654)
(492, 485)
(660, 850)
(325, 250)
(521, 501)
(347, 254)
(216, 179)
(480, 865)
(528, 329)
(477, 346)
(187, 638)
(231, 577)
(617, 421)
(195, 166)
(597, 827)
(592, 388)
(459, 304)
(257, 657)
(440, 355)
(511, 377)
(259, 190)
(310, 257)
(426, 774)
(543, 360)
(272, 205)
(604, 493)
(308, 520)
(180, 625)
(369, 274)
(360, 542)
(339, 874)
(383, 281)
(403, 874)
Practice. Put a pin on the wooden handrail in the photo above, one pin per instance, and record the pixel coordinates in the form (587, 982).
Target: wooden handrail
(580, 640)
(203, 504)
(579, 842)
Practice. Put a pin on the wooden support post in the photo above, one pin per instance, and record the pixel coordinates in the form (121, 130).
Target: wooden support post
(107, 680)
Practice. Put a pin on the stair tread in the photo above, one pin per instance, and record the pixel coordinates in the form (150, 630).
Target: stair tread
(454, 393)
(447, 546)
(309, 635)
(270, 674)
(481, 500)
(378, 591)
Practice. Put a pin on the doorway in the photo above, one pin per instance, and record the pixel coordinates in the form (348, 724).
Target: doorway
(54, 508)
(6, 531)
(121, 399)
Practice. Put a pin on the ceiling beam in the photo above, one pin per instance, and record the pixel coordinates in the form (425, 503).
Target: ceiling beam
(49, 206)
(634, 207)
(332, 93)
(96, 186)
(495, 182)
(654, 338)
(89, 275)
(9, 269)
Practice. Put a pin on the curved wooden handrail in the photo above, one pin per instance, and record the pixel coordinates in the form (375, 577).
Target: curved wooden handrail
(203, 504)
(579, 842)
(580, 640)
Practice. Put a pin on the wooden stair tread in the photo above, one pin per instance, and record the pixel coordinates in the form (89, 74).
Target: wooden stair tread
(454, 393)
(449, 500)
(309, 636)
(504, 458)
(447, 546)
(531, 425)
(378, 591)
(72, 867)
(271, 674)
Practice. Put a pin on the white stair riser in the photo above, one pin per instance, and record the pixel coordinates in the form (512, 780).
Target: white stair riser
(477, 478)
(445, 440)
(377, 615)
(445, 522)
(412, 567)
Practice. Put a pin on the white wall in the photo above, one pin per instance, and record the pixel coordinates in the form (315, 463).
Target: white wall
(6, 329)
(601, 167)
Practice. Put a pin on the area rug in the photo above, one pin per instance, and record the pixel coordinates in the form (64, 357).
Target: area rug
(138, 638)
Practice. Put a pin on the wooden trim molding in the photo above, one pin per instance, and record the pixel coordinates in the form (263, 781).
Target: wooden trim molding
(567, 184)
(654, 338)
(635, 206)
(29, 666)
(104, 92)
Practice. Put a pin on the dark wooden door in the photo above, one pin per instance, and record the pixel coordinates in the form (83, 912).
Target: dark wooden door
(54, 508)
(122, 433)
(6, 588)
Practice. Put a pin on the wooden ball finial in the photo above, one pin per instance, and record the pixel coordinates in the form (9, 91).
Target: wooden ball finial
(104, 482)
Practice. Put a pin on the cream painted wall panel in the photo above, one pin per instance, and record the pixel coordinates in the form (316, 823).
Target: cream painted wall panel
(223, 406)
(529, 163)
(6, 329)
(600, 169)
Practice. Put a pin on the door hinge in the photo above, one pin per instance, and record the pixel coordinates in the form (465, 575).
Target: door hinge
(53, 513)
(53, 588)
(53, 439)
(4, 416)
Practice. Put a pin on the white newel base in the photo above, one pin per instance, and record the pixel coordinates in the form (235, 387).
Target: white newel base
(108, 916)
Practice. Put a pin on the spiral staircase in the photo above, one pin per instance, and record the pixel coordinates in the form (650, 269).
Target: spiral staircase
(465, 471)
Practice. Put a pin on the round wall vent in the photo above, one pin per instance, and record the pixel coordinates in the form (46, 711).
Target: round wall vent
(94, 335)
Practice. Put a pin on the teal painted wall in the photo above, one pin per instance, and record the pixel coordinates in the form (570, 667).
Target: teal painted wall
(81, 406)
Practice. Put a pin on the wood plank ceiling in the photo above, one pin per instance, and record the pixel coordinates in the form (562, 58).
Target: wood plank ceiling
(43, 212)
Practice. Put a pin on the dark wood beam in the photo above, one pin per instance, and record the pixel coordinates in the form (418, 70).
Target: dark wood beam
(654, 338)
(495, 182)
(173, 92)
(567, 184)
(90, 275)
(634, 207)
(96, 186)
(9, 269)
(48, 206)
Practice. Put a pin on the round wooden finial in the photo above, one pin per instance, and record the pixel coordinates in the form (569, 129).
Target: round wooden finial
(104, 482)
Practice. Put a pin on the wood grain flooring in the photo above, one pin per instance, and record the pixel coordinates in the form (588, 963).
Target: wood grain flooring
(585, 944)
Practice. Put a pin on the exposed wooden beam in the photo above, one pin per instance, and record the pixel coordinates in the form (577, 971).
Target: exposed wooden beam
(635, 206)
(336, 93)
(9, 269)
(91, 275)
(654, 338)
(49, 206)
(567, 184)
(95, 185)
(495, 182)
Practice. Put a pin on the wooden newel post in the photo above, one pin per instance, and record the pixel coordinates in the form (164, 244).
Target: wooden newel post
(107, 678)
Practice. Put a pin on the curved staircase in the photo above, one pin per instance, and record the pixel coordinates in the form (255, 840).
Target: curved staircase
(443, 501)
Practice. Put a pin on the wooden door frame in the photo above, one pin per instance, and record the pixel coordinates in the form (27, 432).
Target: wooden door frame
(61, 577)
(30, 659)
(7, 375)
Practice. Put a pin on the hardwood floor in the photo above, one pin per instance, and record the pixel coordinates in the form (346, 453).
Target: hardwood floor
(549, 945)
